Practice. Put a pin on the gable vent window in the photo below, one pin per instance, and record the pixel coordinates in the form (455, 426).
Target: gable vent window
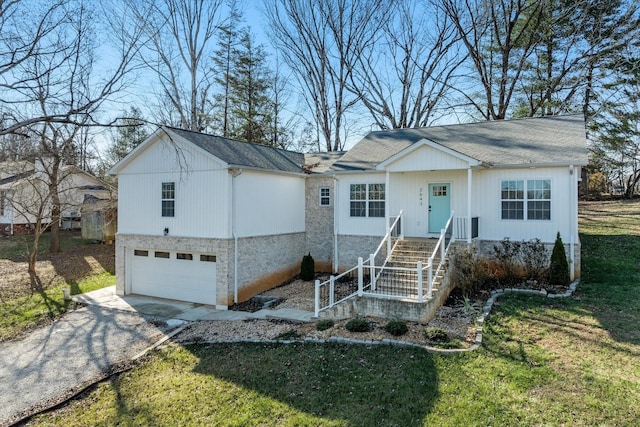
(168, 199)
(531, 204)
(325, 199)
(367, 200)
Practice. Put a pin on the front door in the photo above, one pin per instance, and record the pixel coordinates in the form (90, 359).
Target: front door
(439, 206)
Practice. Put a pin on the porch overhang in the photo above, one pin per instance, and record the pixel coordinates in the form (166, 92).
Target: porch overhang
(428, 155)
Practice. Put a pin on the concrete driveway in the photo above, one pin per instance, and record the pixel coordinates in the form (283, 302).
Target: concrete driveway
(54, 361)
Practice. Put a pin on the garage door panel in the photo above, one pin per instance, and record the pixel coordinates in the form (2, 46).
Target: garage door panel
(187, 279)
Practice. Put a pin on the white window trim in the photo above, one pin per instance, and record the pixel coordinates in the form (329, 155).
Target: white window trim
(163, 199)
(321, 197)
(525, 200)
(367, 200)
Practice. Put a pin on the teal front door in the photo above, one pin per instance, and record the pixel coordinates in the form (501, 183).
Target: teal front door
(439, 206)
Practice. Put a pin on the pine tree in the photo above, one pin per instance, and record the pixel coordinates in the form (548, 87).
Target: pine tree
(127, 137)
(249, 95)
(223, 67)
(559, 269)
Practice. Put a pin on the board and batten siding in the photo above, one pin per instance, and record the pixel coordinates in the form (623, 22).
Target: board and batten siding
(426, 159)
(357, 226)
(409, 192)
(202, 191)
(268, 204)
(487, 199)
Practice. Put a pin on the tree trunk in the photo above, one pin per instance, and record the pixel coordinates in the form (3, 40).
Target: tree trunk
(54, 244)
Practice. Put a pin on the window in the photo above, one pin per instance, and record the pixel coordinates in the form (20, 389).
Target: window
(139, 252)
(536, 199)
(184, 256)
(161, 254)
(539, 199)
(168, 198)
(208, 258)
(367, 200)
(324, 196)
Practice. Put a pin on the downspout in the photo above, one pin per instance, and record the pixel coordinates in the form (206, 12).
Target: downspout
(469, 184)
(573, 182)
(234, 173)
(335, 223)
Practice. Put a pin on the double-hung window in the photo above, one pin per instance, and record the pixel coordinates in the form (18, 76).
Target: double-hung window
(526, 199)
(366, 200)
(168, 199)
(325, 199)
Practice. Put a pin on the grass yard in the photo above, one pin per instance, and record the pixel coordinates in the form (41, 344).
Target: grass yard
(570, 362)
(81, 266)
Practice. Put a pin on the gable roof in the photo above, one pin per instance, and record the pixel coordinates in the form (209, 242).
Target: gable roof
(541, 140)
(239, 153)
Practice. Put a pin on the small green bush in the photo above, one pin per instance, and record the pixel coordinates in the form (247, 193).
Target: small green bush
(307, 268)
(436, 334)
(396, 328)
(559, 269)
(324, 324)
(357, 325)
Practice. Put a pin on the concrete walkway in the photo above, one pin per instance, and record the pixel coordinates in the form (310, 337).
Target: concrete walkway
(180, 310)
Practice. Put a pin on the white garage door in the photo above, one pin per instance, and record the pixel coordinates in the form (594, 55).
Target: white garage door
(185, 276)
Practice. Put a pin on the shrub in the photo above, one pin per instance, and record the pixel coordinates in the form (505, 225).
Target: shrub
(536, 259)
(436, 334)
(469, 272)
(508, 256)
(396, 328)
(559, 269)
(357, 325)
(324, 324)
(307, 268)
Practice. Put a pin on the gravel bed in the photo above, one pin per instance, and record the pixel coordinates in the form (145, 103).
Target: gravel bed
(299, 294)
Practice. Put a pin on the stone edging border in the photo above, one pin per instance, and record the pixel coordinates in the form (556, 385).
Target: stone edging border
(479, 327)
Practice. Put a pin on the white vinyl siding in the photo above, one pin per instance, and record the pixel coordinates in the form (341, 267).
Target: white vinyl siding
(267, 203)
(201, 197)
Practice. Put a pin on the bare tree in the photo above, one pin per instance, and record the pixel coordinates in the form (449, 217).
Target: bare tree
(499, 37)
(36, 41)
(318, 40)
(404, 78)
(179, 51)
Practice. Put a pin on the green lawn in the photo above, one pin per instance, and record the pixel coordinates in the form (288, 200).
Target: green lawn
(81, 267)
(570, 362)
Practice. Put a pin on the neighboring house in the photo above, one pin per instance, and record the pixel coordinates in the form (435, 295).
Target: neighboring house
(215, 221)
(23, 193)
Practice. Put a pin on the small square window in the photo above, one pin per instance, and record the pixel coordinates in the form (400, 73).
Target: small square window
(139, 252)
(184, 256)
(208, 258)
(325, 199)
(159, 254)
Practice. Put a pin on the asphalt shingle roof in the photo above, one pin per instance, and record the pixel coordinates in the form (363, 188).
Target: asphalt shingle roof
(541, 140)
(238, 153)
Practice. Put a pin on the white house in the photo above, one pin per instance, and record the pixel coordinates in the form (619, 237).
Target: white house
(24, 193)
(215, 221)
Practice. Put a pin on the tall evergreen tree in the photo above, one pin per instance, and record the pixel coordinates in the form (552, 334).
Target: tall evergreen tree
(249, 94)
(223, 67)
(127, 137)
